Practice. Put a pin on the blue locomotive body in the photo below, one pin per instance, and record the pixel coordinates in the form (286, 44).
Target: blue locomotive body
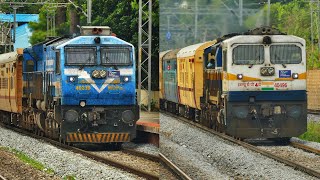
(82, 89)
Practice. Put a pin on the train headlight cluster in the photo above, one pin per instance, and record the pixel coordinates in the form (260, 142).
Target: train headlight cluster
(267, 71)
(125, 79)
(295, 75)
(99, 74)
(239, 76)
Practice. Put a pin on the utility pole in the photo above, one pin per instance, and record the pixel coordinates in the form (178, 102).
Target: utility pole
(14, 7)
(318, 10)
(144, 62)
(268, 16)
(241, 12)
(196, 20)
(89, 9)
(311, 17)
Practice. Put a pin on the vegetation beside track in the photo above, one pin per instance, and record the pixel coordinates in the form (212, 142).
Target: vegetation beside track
(23, 157)
(313, 132)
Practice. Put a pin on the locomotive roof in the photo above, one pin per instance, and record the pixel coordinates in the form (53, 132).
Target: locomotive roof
(171, 55)
(89, 39)
(8, 57)
(274, 38)
(189, 50)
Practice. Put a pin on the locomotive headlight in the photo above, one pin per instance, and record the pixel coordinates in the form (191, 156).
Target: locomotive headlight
(96, 74)
(295, 75)
(126, 79)
(82, 103)
(239, 76)
(103, 73)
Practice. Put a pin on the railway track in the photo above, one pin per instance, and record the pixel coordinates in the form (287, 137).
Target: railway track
(305, 148)
(295, 165)
(2, 178)
(175, 169)
(109, 161)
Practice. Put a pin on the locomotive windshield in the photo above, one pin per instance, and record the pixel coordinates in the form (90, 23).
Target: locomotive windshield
(81, 55)
(248, 54)
(285, 54)
(115, 56)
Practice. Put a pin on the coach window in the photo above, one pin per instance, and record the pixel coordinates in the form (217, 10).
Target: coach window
(30, 66)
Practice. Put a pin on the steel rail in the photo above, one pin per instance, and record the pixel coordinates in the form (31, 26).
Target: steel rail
(249, 146)
(2, 178)
(174, 168)
(88, 154)
(306, 148)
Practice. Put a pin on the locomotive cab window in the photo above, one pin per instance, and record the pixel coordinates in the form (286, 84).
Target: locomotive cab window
(285, 54)
(248, 54)
(115, 56)
(29, 66)
(81, 56)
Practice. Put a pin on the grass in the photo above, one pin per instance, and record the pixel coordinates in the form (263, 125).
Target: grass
(23, 157)
(313, 132)
(69, 177)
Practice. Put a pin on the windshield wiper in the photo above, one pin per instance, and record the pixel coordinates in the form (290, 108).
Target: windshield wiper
(81, 67)
(250, 66)
(283, 65)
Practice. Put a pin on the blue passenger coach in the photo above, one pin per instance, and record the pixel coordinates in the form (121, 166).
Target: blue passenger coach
(81, 90)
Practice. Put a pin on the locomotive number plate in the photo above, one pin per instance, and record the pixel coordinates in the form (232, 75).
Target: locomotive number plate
(82, 88)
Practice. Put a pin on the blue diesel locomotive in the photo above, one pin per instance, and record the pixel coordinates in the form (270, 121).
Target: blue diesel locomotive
(79, 90)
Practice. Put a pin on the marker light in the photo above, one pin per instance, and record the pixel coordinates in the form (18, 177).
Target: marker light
(295, 75)
(126, 79)
(72, 79)
(239, 76)
(82, 103)
(103, 73)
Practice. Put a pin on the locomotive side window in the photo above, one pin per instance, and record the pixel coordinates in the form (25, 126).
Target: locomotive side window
(81, 56)
(30, 66)
(285, 54)
(248, 54)
(115, 55)
(58, 71)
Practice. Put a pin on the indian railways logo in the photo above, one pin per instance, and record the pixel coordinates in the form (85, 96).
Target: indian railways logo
(284, 73)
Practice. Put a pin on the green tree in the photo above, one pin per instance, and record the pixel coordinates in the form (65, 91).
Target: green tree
(293, 18)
